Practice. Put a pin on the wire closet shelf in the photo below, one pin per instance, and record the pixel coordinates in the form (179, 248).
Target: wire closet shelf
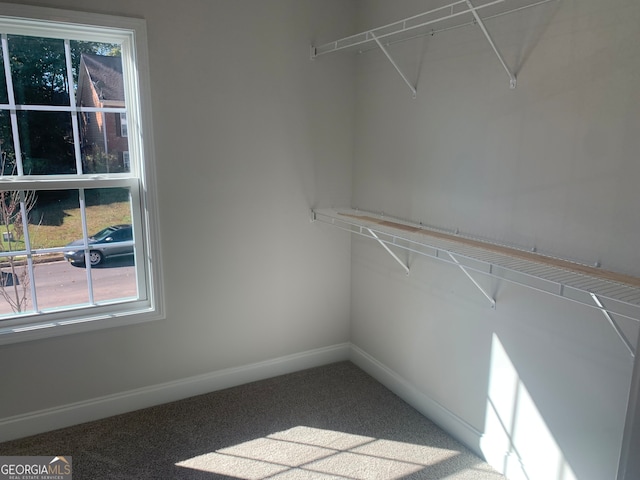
(457, 14)
(610, 292)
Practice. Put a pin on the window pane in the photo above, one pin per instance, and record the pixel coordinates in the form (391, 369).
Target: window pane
(54, 218)
(7, 152)
(4, 98)
(12, 221)
(56, 221)
(62, 280)
(91, 49)
(46, 141)
(104, 149)
(15, 283)
(112, 252)
(38, 69)
(15, 286)
(104, 133)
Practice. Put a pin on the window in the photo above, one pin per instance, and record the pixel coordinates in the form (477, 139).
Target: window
(123, 125)
(78, 214)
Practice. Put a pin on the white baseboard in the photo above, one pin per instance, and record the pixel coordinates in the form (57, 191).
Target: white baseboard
(40, 421)
(444, 418)
(94, 409)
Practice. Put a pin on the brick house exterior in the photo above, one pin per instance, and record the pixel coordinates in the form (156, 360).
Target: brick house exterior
(104, 134)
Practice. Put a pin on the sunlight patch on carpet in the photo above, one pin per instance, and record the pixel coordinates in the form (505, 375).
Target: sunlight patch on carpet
(317, 454)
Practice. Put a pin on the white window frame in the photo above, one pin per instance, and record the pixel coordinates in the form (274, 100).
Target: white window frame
(141, 180)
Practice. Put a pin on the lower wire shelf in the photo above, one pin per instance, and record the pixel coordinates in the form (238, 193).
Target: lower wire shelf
(613, 293)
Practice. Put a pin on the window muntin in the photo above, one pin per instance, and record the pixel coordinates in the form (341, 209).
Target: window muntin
(70, 172)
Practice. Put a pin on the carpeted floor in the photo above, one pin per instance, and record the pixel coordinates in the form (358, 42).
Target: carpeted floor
(333, 422)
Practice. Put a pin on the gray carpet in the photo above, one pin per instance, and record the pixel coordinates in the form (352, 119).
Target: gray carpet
(333, 422)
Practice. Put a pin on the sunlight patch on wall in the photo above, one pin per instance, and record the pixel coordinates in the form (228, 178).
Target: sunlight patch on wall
(311, 453)
(517, 440)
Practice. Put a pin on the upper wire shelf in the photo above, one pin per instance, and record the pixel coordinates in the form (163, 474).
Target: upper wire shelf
(454, 15)
(611, 292)
(459, 13)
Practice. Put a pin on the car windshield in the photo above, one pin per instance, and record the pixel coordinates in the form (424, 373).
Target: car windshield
(102, 234)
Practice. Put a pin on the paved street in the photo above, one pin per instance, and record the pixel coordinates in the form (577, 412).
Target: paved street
(60, 283)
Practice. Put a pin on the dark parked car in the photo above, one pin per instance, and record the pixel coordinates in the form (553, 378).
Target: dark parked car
(101, 245)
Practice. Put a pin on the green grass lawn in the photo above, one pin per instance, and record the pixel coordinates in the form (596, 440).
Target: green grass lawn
(68, 226)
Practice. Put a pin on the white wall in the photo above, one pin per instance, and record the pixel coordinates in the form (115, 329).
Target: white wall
(553, 164)
(249, 135)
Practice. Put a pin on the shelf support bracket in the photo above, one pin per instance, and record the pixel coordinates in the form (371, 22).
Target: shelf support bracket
(395, 65)
(512, 77)
(614, 325)
(464, 270)
(384, 245)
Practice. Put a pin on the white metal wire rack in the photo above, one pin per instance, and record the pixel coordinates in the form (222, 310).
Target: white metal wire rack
(610, 292)
(459, 13)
